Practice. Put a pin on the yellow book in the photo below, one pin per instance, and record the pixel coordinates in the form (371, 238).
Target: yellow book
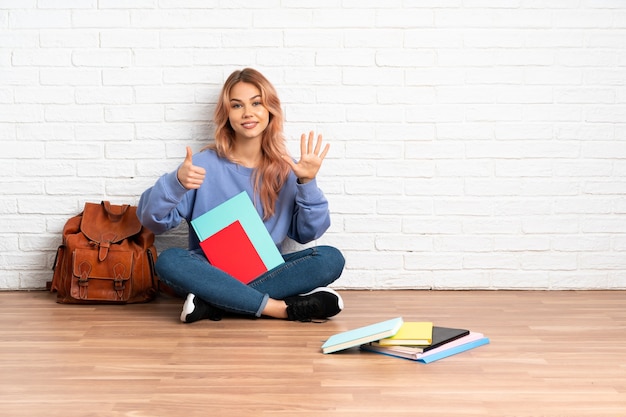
(412, 333)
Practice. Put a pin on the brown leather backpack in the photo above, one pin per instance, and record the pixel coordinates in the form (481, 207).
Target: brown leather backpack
(107, 256)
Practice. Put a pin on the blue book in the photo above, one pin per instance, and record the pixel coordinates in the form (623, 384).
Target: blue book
(361, 335)
(435, 356)
(471, 341)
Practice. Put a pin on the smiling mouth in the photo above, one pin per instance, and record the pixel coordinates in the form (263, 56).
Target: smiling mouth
(249, 125)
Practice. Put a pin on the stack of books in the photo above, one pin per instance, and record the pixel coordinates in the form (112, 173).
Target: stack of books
(418, 341)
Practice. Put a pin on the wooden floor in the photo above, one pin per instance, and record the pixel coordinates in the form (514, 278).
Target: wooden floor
(551, 354)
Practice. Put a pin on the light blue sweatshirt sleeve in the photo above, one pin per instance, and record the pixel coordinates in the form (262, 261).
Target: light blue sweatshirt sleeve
(311, 217)
(164, 205)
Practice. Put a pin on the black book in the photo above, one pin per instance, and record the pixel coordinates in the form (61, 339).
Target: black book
(441, 336)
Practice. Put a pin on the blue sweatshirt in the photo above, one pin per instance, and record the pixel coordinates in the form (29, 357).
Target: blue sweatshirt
(301, 209)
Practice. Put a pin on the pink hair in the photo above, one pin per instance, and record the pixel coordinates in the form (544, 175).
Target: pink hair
(272, 172)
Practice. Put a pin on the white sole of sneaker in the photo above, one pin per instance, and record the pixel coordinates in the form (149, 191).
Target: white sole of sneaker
(330, 290)
(188, 307)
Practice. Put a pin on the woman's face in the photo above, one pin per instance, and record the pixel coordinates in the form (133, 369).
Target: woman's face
(247, 115)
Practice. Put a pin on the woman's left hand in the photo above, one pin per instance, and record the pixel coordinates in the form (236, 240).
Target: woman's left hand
(310, 158)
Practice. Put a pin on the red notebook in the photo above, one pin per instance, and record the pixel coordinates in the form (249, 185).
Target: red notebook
(231, 250)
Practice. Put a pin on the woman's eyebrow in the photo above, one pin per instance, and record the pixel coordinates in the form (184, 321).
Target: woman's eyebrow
(251, 98)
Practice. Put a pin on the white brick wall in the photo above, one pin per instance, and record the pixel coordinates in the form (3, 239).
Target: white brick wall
(475, 143)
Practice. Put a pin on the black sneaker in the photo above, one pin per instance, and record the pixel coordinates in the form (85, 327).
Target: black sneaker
(196, 309)
(320, 303)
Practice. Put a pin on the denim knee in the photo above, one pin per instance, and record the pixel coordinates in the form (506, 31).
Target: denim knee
(333, 256)
(166, 261)
(167, 268)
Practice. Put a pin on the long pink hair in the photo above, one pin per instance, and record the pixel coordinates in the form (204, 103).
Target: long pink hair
(272, 172)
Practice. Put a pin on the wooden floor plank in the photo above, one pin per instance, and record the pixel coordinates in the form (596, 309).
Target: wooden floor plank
(552, 353)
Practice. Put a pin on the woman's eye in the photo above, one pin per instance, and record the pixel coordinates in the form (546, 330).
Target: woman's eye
(257, 103)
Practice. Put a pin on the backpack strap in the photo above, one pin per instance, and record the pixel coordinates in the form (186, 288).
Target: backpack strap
(105, 243)
(114, 212)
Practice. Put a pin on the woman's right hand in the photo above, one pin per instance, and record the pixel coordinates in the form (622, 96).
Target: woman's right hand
(190, 176)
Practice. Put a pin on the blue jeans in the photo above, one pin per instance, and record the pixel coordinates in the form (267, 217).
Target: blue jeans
(189, 272)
